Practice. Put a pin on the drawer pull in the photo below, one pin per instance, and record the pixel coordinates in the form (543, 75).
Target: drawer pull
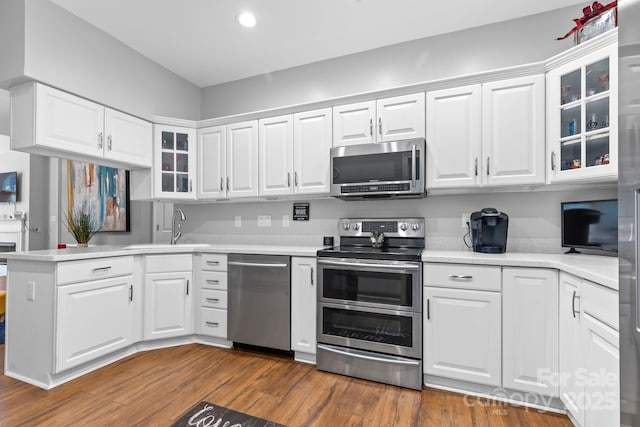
(102, 269)
(213, 281)
(213, 299)
(214, 324)
(460, 277)
(213, 262)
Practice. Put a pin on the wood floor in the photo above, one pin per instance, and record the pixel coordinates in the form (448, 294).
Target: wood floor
(154, 388)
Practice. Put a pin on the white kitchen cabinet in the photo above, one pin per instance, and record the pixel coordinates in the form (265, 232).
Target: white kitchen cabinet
(212, 297)
(294, 153)
(582, 114)
(571, 359)
(486, 135)
(530, 330)
(389, 119)
(212, 162)
(93, 319)
(242, 159)
(303, 304)
(51, 122)
(168, 298)
(462, 338)
(174, 164)
(454, 137)
(275, 144)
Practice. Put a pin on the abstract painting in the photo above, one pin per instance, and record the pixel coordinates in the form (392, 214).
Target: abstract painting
(102, 189)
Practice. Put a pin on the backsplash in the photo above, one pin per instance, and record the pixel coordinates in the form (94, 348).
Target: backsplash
(534, 218)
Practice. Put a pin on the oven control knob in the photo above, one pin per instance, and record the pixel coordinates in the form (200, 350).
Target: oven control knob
(355, 226)
(404, 226)
(415, 226)
(345, 225)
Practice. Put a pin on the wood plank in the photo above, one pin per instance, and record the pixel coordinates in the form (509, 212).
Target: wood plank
(154, 388)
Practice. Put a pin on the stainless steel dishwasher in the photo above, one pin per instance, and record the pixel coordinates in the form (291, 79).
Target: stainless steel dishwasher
(259, 311)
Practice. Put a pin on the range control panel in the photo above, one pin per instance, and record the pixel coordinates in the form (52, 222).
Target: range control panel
(391, 227)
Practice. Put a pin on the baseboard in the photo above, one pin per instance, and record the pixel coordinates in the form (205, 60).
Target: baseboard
(300, 356)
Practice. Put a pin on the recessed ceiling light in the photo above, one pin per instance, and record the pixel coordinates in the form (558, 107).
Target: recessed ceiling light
(246, 19)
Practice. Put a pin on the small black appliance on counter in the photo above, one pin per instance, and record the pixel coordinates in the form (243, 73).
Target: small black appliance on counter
(489, 231)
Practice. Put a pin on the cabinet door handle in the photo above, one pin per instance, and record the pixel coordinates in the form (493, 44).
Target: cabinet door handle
(100, 140)
(476, 166)
(573, 304)
(371, 127)
(311, 275)
(109, 142)
(187, 286)
(380, 126)
(213, 263)
(216, 324)
(488, 167)
(130, 292)
(553, 160)
(213, 299)
(288, 179)
(295, 178)
(428, 310)
(221, 184)
(460, 277)
(212, 281)
(190, 185)
(227, 183)
(102, 269)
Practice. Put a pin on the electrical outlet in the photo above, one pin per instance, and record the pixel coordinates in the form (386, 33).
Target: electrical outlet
(31, 291)
(264, 220)
(285, 220)
(238, 221)
(465, 219)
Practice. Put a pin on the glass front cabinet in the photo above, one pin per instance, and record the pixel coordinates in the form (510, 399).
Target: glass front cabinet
(582, 102)
(175, 161)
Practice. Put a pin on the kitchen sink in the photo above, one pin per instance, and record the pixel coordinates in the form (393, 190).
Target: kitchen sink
(167, 245)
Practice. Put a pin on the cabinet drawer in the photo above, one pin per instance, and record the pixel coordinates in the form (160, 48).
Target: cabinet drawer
(213, 279)
(601, 302)
(214, 262)
(213, 322)
(213, 298)
(462, 276)
(92, 269)
(168, 263)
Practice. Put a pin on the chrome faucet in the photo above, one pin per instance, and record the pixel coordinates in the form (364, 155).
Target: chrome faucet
(176, 228)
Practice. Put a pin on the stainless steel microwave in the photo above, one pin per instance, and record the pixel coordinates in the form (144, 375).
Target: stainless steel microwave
(385, 170)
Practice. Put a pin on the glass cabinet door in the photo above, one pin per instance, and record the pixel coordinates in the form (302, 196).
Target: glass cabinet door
(585, 108)
(175, 176)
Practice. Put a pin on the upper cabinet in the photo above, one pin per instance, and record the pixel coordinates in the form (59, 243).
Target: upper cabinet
(174, 157)
(490, 134)
(390, 119)
(294, 153)
(51, 122)
(582, 101)
(228, 161)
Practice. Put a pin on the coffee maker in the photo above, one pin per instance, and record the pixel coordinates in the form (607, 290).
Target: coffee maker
(489, 231)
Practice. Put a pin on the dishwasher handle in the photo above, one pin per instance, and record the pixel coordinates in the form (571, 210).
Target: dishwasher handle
(259, 264)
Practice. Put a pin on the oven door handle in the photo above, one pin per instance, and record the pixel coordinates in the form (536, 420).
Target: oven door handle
(367, 357)
(367, 265)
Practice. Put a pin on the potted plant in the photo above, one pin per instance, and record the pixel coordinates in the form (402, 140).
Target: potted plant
(83, 225)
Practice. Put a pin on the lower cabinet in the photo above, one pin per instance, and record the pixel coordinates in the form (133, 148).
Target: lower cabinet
(211, 310)
(93, 319)
(530, 330)
(589, 352)
(168, 296)
(303, 304)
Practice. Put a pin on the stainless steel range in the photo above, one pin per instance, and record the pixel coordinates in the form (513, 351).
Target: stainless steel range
(370, 301)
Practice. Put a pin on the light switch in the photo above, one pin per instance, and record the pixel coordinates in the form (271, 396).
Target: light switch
(31, 291)
(238, 221)
(264, 220)
(285, 220)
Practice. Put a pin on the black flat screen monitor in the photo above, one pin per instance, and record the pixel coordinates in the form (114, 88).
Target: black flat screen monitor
(590, 224)
(8, 187)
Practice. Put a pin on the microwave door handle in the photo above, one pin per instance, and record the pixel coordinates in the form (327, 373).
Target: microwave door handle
(413, 166)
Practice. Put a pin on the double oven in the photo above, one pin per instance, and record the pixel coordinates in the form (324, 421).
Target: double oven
(370, 301)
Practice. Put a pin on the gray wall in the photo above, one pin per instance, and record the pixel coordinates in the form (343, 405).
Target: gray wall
(64, 51)
(489, 47)
(4, 113)
(11, 41)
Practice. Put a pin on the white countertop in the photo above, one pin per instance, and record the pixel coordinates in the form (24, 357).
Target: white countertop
(599, 269)
(73, 253)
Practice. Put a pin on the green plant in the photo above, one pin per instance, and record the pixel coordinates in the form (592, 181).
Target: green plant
(82, 224)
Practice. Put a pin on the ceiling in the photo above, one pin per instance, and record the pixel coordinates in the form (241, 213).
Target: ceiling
(201, 41)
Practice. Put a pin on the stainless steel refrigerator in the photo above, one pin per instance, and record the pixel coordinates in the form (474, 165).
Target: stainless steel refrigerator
(629, 208)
